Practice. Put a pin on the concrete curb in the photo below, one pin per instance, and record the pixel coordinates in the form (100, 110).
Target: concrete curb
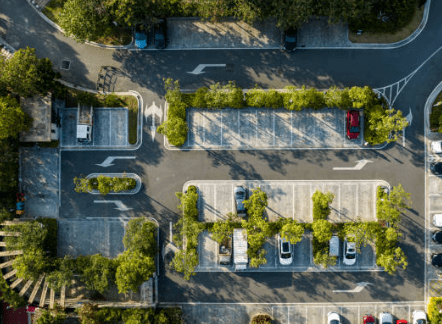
(118, 175)
(133, 147)
(429, 106)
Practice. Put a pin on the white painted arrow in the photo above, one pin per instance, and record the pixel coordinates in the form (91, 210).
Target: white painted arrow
(199, 69)
(153, 111)
(359, 287)
(118, 203)
(358, 166)
(108, 162)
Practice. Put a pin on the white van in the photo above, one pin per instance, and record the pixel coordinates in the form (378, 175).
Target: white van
(334, 246)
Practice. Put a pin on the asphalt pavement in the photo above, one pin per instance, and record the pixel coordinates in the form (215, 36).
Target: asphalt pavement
(164, 172)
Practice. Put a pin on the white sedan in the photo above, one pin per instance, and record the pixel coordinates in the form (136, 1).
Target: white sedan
(436, 146)
(333, 318)
(419, 317)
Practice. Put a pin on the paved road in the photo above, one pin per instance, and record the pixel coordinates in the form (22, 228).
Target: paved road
(164, 172)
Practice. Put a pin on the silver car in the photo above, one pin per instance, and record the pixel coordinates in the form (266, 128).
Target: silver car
(239, 195)
(349, 257)
(385, 318)
(333, 318)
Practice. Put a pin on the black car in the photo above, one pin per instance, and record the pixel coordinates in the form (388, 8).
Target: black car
(436, 260)
(290, 39)
(436, 168)
(437, 237)
(160, 34)
(240, 194)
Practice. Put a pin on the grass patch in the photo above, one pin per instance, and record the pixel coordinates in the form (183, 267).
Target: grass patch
(74, 96)
(436, 113)
(117, 36)
(386, 38)
(53, 9)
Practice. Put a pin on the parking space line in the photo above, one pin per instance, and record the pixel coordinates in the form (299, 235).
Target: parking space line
(291, 128)
(214, 203)
(323, 314)
(256, 128)
(204, 127)
(359, 311)
(110, 126)
(293, 201)
(222, 124)
(409, 313)
(274, 130)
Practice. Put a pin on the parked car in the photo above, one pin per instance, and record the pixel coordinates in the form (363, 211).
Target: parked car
(333, 318)
(140, 38)
(436, 260)
(160, 34)
(436, 168)
(368, 319)
(419, 317)
(290, 39)
(353, 124)
(437, 220)
(285, 251)
(240, 194)
(437, 237)
(436, 146)
(385, 318)
(349, 255)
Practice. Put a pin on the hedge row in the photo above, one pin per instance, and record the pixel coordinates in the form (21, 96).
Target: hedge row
(230, 96)
(91, 314)
(188, 229)
(104, 184)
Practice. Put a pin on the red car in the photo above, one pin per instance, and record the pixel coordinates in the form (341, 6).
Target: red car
(353, 124)
(368, 319)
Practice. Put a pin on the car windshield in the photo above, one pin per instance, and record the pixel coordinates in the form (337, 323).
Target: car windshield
(354, 129)
(290, 38)
(240, 195)
(421, 321)
(334, 322)
(285, 247)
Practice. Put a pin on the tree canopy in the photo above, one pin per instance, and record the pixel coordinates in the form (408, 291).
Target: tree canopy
(27, 75)
(13, 119)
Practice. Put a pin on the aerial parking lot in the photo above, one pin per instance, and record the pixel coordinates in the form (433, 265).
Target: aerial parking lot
(257, 128)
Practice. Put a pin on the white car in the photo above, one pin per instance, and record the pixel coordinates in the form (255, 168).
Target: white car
(349, 255)
(285, 251)
(436, 147)
(385, 318)
(419, 317)
(333, 318)
(437, 220)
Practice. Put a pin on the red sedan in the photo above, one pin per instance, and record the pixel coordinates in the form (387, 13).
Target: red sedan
(353, 124)
(368, 319)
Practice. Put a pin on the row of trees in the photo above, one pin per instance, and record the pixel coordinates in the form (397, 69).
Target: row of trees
(381, 124)
(90, 20)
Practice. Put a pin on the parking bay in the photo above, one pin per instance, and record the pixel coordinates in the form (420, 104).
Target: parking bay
(353, 200)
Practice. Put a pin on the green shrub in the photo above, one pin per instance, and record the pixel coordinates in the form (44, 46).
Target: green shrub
(435, 118)
(133, 269)
(273, 99)
(199, 98)
(256, 98)
(321, 204)
(141, 235)
(262, 319)
(292, 231)
(112, 100)
(175, 130)
(322, 230)
(321, 255)
(433, 310)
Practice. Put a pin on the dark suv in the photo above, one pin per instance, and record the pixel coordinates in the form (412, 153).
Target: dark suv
(160, 34)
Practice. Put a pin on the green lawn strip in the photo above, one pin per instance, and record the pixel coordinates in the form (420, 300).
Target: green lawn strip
(435, 115)
(111, 100)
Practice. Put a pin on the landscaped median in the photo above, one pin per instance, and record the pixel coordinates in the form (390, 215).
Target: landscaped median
(377, 237)
(381, 123)
(109, 183)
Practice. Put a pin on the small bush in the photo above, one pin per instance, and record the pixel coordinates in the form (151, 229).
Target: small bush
(112, 100)
(262, 319)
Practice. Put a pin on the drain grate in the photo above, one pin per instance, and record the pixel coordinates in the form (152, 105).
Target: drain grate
(65, 65)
